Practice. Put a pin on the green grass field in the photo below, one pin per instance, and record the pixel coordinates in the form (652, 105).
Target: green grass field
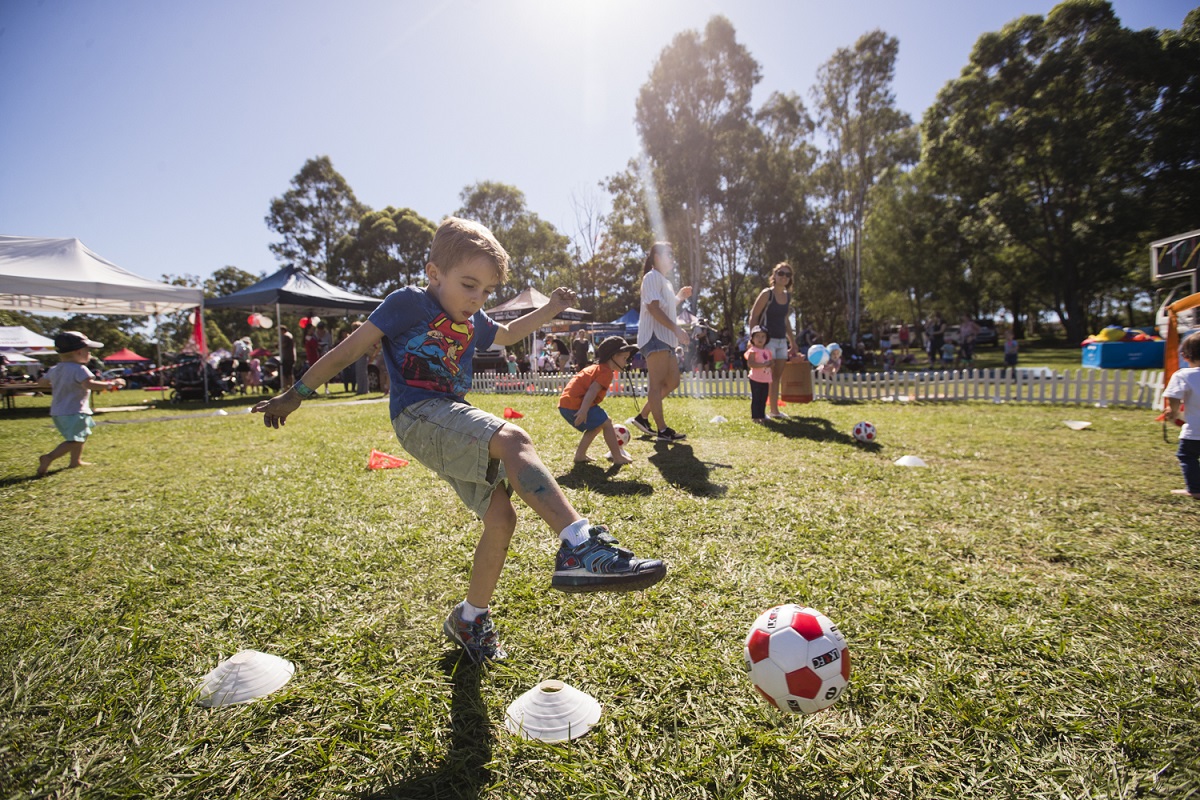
(1022, 615)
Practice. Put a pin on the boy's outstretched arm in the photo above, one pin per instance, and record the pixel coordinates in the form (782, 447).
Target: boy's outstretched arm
(520, 328)
(276, 410)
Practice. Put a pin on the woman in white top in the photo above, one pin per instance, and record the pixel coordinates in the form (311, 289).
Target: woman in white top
(658, 335)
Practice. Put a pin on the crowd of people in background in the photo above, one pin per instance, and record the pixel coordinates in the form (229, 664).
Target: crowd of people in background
(698, 347)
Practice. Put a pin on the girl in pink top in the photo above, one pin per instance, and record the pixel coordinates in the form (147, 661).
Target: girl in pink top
(759, 358)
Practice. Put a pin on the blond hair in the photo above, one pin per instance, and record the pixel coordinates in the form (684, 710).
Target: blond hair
(458, 240)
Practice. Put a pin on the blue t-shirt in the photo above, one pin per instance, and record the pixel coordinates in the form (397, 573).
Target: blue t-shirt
(427, 353)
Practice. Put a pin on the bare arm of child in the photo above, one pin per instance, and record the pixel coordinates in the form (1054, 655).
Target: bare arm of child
(756, 360)
(589, 397)
(97, 385)
(276, 410)
(1173, 406)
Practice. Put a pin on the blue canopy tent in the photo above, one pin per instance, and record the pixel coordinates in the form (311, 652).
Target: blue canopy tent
(630, 320)
(294, 289)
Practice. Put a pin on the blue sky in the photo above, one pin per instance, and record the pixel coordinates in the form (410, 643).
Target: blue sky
(157, 133)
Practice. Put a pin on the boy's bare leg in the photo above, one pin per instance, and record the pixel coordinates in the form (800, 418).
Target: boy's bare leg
(76, 451)
(585, 442)
(64, 448)
(499, 522)
(617, 455)
(530, 478)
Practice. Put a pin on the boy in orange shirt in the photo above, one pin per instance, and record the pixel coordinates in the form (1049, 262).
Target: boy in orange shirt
(580, 401)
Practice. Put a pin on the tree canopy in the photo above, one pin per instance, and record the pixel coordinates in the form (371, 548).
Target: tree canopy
(313, 216)
(1043, 141)
(1033, 183)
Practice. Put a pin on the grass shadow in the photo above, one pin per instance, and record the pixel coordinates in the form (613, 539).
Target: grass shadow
(463, 773)
(817, 429)
(602, 480)
(680, 468)
(25, 412)
(18, 479)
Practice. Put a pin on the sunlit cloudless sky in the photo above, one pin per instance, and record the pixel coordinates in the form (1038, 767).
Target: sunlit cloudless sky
(158, 133)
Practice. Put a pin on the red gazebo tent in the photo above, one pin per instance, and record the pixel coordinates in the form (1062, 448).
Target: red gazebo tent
(124, 356)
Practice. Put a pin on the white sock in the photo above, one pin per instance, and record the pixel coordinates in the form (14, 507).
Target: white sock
(471, 613)
(576, 533)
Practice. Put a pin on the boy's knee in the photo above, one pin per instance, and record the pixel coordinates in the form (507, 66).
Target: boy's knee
(509, 439)
(501, 517)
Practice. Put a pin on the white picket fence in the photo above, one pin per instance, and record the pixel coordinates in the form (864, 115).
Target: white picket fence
(1136, 388)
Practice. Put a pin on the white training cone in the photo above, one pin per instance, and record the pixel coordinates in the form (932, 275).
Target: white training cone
(718, 419)
(1076, 424)
(552, 711)
(910, 461)
(247, 675)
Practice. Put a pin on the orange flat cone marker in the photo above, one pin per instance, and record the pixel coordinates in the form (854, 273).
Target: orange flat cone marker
(782, 403)
(380, 460)
(510, 414)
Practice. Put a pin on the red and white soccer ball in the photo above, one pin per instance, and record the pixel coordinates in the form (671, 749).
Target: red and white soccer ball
(797, 659)
(864, 432)
(623, 434)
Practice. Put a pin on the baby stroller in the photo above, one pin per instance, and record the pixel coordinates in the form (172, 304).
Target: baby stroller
(190, 374)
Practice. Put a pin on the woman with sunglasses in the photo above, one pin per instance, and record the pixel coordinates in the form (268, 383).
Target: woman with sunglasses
(772, 310)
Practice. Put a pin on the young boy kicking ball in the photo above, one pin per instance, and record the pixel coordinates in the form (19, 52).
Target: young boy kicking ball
(429, 337)
(580, 400)
(71, 384)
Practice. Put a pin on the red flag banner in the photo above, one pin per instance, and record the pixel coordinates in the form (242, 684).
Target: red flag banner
(198, 333)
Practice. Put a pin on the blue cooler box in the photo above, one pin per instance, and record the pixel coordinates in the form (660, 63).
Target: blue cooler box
(1123, 355)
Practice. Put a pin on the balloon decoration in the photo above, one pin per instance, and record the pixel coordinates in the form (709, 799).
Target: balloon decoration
(304, 322)
(265, 322)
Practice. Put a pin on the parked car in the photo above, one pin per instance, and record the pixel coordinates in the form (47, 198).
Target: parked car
(494, 359)
(987, 333)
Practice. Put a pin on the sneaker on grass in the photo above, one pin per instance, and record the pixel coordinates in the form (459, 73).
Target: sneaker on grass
(641, 423)
(671, 435)
(478, 638)
(598, 565)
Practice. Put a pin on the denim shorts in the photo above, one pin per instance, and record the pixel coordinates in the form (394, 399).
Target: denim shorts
(451, 438)
(74, 427)
(596, 417)
(655, 345)
(778, 348)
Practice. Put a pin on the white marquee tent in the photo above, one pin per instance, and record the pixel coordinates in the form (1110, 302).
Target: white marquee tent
(18, 339)
(64, 275)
